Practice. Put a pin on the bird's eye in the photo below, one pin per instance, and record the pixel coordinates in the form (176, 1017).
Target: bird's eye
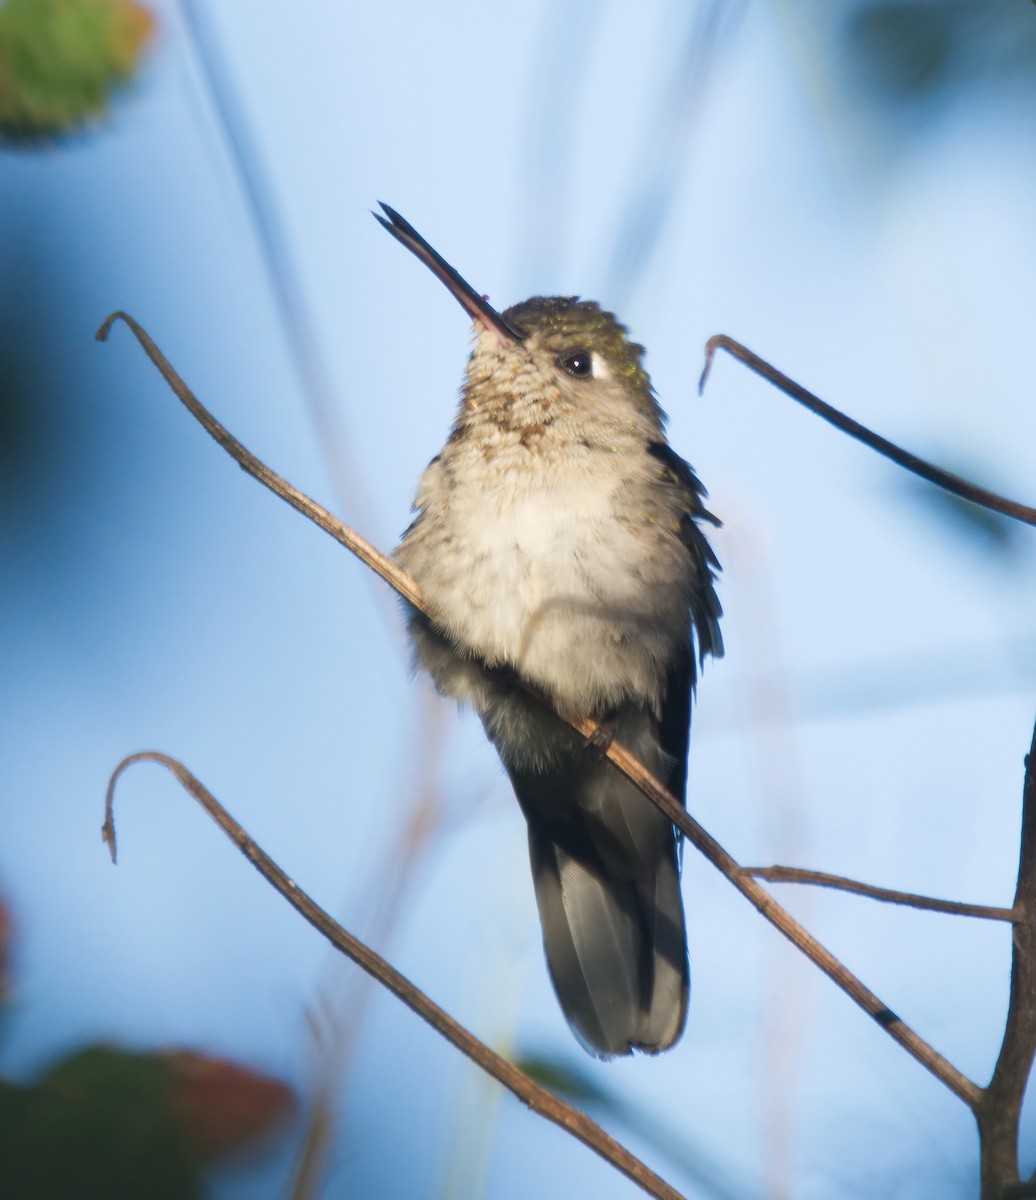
(579, 364)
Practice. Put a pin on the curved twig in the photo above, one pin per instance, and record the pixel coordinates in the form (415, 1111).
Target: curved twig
(532, 1094)
(841, 883)
(255, 467)
(918, 466)
(963, 1087)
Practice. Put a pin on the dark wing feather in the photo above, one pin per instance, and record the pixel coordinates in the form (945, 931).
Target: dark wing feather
(706, 609)
(674, 730)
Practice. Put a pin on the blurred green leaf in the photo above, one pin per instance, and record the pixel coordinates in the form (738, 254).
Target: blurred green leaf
(96, 1126)
(576, 1084)
(903, 47)
(567, 1080)
(61, 59)
(913, 51)
(119, 1125)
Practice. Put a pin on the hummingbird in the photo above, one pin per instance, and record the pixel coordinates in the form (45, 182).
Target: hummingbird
(558, 546)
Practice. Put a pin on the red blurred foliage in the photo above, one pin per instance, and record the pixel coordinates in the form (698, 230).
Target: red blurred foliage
(220, 1107)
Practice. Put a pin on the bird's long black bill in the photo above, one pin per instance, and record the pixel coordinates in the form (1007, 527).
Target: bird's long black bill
(473, 304)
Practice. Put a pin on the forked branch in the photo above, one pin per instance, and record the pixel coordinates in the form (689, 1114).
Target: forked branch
(998, 1106)
(999, 1109)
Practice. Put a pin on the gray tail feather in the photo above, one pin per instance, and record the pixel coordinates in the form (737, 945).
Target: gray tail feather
(616, 949)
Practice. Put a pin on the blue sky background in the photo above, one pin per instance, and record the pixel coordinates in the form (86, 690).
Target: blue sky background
(700, 170)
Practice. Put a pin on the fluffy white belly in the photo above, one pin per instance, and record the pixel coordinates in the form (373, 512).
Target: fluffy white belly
(551, 583)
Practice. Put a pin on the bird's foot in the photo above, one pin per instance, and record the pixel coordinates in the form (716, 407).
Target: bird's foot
(600, 741)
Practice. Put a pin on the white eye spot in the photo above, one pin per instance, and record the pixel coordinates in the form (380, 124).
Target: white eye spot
(601, 367)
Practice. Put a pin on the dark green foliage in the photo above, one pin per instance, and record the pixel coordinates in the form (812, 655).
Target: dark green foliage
(97, 1125)
(914, 50)
(113, 1124)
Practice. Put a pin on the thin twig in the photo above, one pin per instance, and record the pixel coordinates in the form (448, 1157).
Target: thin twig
(999, 1109)
(911, 899)
(537, 1097)
(928, 1056)
(926, 470)
(660, 160)
(798, 935)
(378, 562)
(287, 292)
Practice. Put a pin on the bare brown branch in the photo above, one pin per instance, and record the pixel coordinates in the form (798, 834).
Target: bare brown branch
(956, 908)
(532, 1094)
(798, 935)
(999, 1109)
(1018, 1191)
(319, 515)
(937, 1064)
(918, 466)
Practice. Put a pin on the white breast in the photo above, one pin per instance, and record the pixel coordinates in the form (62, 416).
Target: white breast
(541, 575)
